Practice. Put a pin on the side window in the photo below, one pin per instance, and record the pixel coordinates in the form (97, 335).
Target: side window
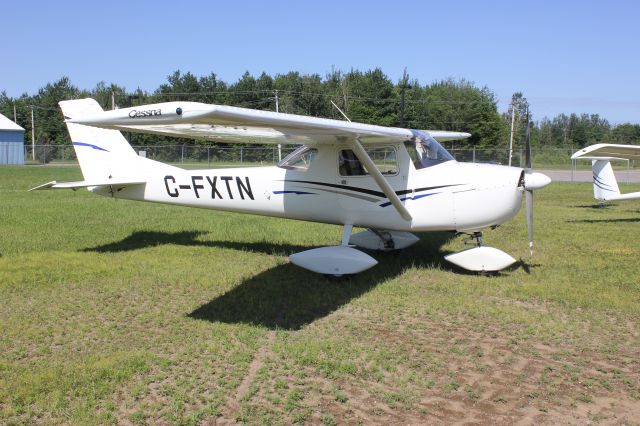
(349, 165)
(300, 159)
(383, 157)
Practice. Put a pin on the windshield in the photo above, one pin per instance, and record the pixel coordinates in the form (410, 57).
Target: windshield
(299, 160)
(425, 151)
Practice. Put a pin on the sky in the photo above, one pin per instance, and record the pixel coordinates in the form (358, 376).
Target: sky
(564, 56)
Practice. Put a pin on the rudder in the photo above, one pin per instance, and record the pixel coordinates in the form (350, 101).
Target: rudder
(605, 185)
(102, 153)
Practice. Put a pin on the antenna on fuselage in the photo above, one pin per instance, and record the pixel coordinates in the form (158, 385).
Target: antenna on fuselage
(340, 111)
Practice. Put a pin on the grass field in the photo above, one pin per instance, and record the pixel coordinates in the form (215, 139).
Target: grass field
(133, 313)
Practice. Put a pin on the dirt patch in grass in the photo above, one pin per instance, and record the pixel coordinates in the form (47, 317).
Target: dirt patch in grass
(448, 370)
(234, 399)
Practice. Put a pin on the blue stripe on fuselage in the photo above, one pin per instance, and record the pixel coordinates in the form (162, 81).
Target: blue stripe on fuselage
(293, 192)
(415, 197)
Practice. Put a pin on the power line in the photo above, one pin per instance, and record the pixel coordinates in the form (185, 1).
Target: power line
(319, 94)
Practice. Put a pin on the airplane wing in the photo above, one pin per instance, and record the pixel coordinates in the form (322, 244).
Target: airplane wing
(85, 184)
(232, 124)
(605, 151)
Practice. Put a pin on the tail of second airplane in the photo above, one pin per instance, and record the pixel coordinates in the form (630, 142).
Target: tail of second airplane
(605, 185)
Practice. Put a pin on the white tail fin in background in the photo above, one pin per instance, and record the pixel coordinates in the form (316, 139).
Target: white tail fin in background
(605, 185)
(103, 154)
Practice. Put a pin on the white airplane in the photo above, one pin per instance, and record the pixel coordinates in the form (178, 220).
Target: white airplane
(605, 185)
(390, 180)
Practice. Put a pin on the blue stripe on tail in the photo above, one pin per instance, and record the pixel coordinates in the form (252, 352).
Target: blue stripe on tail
(90, 146)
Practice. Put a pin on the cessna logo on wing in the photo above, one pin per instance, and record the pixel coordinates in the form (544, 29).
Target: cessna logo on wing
(145, 113)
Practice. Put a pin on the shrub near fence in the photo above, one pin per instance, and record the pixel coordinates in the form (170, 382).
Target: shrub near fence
(557, 158)
(541, 157)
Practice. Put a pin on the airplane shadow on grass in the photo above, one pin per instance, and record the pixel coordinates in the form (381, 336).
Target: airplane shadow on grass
(287, 297)
(623, 220)
(145, 239)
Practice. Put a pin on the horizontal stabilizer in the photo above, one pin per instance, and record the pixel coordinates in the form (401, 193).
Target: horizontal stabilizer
(85, 184)
(605, 151)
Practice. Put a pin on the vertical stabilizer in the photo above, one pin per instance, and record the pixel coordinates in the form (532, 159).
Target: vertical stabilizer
(605, 186)
(103, 154)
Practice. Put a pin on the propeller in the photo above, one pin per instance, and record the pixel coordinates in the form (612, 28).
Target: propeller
(528, 192)
(531, 181)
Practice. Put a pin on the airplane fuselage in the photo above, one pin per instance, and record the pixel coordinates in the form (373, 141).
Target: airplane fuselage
(449, 196)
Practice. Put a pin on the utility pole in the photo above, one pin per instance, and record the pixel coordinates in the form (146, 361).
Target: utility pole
(113, 100)
(15, 116)
(279, 145)
(33, 136)
(528, 134)
(513, 116)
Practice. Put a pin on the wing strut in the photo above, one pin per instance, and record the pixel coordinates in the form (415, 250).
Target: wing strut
(358, 150)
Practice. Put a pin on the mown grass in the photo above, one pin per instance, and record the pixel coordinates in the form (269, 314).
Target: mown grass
(116, 311)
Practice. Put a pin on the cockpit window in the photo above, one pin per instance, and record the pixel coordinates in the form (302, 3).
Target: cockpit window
(425, 151)
(384, 157)
(299, 160)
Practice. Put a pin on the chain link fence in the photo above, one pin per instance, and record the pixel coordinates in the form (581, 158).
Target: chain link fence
(174, 154)
(217, 156)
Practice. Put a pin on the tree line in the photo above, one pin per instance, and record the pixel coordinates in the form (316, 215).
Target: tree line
(367, 97)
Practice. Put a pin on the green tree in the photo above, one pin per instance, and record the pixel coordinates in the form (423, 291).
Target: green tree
(301, 94)
(50, 127)
(518, 114)
(461, 106)
(104, 94)
(188, 87)
(373, 98)
(245, 93)
(625, 134)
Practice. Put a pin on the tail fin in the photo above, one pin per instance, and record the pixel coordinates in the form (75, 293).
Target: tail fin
(605, 185)
(103, 154)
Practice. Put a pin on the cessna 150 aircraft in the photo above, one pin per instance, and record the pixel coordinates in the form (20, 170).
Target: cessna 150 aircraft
(390, 180)
(605, 185)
